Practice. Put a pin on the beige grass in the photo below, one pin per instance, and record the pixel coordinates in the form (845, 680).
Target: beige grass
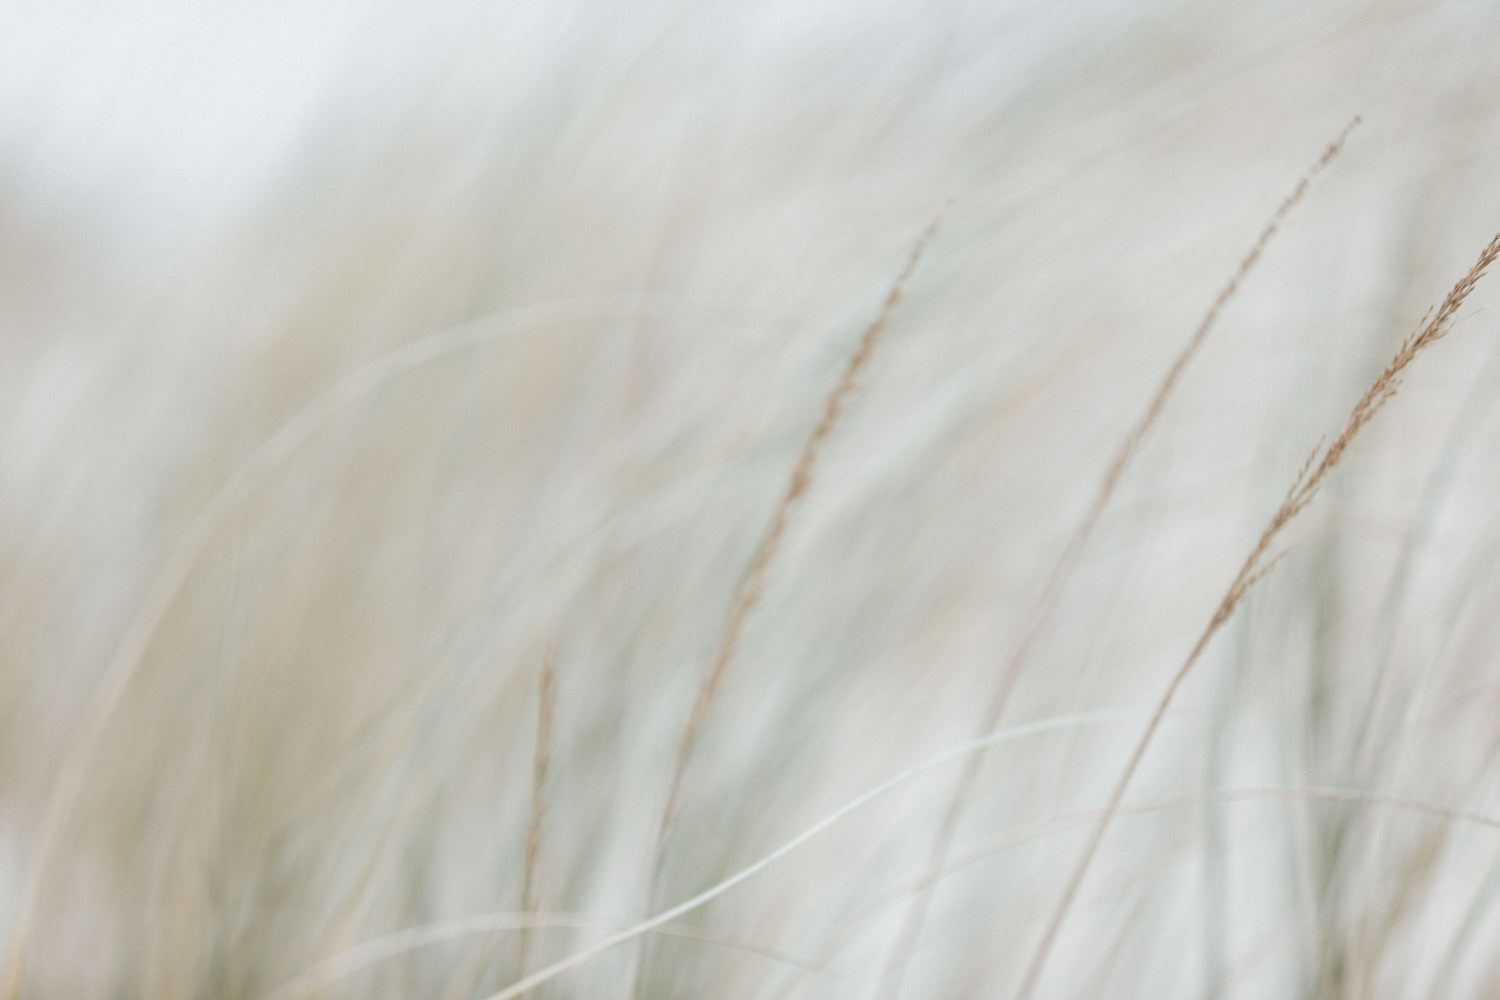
(465, 343)
(1258, 563)
(894, 975)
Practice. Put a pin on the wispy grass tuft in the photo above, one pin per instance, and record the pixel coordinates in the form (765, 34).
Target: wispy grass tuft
(1258, 563)
(166, 585)
(900, 955)
(301, 489)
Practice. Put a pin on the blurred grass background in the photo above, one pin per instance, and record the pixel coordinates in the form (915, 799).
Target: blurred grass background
(658, 230)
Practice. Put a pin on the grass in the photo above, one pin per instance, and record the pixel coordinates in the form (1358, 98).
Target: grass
(1057, 578)
(531, 546)
(1257, 564)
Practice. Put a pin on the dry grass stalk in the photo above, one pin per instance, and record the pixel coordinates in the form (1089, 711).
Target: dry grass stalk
(545, 723)
(1303, 491)
(899, 958)
(467, 978)
(752, 584)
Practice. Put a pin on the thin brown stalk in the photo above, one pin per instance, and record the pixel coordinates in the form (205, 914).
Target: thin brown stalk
(752, 584)
(899, 958)
(467, 977)
(1303, 491)
(545, 722)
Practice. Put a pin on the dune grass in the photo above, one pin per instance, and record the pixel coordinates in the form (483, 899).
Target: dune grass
(1261, 560)
(1057, 578)
(531, 547)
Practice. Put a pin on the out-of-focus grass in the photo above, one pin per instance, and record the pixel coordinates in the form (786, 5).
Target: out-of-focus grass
(662, 233)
